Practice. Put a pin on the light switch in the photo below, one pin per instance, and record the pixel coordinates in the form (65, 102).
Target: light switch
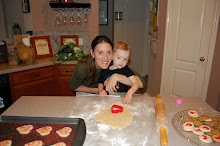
(80, 41)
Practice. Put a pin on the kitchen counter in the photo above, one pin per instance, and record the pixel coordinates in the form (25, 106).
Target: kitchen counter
(41, 62)
(140, 132)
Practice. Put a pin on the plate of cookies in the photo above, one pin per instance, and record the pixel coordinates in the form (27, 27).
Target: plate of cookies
(198, 127)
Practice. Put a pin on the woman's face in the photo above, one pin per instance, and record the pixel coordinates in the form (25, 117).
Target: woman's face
(102, 55)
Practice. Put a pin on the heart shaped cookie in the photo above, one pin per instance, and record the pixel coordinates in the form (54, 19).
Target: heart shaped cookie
(25, 129)
(34, 143)
(64, 132)
(44, 130)
(6, 143)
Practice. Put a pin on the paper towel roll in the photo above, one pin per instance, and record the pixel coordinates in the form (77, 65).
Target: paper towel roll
(26, 41)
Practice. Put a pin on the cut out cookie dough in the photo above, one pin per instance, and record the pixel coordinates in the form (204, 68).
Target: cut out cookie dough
(115, 120)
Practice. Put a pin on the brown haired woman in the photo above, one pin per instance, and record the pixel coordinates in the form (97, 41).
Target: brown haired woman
(87, 71)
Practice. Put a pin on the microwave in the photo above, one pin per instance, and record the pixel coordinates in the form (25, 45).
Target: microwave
(3, 51)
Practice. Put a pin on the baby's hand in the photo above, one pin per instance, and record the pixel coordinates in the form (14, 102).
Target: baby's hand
(102, 92)
(127, 99)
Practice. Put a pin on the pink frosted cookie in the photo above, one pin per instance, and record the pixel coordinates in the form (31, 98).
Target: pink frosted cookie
(205, 138)
(205, 128)
(188, 126)
(193, 113)
(198, 131)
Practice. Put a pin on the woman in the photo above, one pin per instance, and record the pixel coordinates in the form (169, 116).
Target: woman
(86, 73)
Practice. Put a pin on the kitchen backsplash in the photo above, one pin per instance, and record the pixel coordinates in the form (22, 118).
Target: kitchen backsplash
(55, 38)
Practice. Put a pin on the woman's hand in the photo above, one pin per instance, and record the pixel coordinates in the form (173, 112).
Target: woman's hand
(103, 92)
(111, 82)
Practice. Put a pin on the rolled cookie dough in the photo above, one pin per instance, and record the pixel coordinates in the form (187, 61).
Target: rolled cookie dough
(115, 120)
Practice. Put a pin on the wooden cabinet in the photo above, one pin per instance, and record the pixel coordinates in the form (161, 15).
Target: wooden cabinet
(33, 82)
(64, 74)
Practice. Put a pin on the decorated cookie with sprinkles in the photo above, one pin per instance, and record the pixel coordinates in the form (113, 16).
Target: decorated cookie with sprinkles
(205, 128)
(188, 126)
(216, 138)
(198, 131)
(205, 138)
(193, 113)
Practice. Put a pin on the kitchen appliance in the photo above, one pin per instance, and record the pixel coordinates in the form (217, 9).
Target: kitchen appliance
(5, 92)
(3, 51)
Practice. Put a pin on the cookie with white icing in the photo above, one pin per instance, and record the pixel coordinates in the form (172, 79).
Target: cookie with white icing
(198, 131)
(193, 113)
(188, 126)
(205, 128)
(205, 138)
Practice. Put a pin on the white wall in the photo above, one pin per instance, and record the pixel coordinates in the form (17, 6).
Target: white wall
(133, 29)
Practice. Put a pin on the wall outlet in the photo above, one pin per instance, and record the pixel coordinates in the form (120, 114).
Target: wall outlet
(80, 41)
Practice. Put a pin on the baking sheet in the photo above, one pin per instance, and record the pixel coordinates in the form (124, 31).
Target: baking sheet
(189, 136)
(8, 125)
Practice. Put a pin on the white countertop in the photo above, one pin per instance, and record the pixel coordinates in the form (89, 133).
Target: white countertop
(41, 62)
(140, 132)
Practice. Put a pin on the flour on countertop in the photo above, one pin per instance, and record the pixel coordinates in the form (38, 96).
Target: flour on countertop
(143, 116)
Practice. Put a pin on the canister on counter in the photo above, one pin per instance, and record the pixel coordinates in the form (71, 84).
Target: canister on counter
(13, 58)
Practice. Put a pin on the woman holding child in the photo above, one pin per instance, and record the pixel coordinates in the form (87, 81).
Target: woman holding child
(86, 74)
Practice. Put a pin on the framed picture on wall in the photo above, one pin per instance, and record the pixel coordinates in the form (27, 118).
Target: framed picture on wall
(103, 12)
(65, 39)
(25, 6)
(42, 46)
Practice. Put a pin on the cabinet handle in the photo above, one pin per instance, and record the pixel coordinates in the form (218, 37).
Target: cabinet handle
(68, 71)
(35, 76)
(54, 81)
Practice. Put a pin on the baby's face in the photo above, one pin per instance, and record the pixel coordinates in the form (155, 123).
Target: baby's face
(120, 58)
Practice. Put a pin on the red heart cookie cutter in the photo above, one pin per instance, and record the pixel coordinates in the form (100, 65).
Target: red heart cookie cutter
(118, 110)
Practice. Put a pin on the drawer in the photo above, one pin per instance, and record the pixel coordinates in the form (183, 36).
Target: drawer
(65, 70)
(32, 75)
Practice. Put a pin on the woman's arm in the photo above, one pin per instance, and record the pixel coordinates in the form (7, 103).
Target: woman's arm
(86, 89)
(111, 82)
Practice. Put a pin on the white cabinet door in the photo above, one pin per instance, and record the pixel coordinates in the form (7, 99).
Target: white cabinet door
(190, 35)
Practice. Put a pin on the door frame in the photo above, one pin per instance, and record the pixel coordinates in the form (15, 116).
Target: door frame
(210, 52)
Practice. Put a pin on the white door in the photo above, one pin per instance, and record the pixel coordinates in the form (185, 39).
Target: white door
(190, 35)
(133, 29)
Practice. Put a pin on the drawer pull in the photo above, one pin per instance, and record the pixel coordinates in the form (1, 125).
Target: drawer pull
(68, 71)
(34, 76)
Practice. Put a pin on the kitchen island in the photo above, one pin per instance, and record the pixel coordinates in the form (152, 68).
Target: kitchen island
(140, 132)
